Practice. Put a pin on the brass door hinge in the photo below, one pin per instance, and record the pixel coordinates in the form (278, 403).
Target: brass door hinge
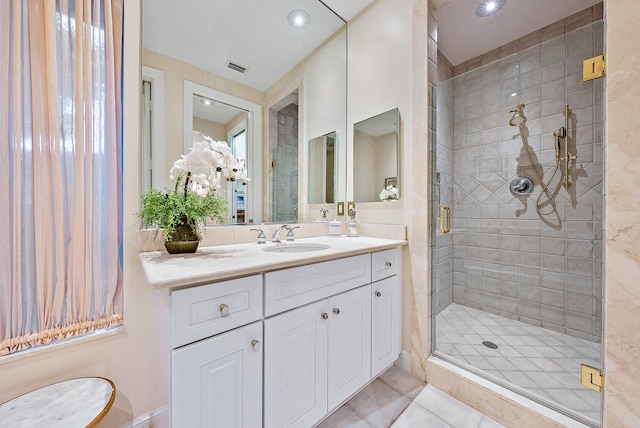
(592, 378)
(593, 68)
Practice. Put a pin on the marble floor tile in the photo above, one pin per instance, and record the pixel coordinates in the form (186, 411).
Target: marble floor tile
(397, 399)
(402, 382)
(379, 404)
(345, 417)
(450, 410)
(418, 416)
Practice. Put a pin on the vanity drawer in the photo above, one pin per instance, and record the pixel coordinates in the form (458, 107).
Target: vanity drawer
(385, 264)
(200, 312)
(289, 288)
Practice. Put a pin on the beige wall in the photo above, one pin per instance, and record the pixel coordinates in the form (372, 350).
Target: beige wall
(622, 215)
(215, 130)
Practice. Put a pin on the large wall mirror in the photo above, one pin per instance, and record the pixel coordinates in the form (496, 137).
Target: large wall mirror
(376, 158)
(246, 72)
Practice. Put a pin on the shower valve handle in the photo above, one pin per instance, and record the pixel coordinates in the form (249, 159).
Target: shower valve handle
(520, 186)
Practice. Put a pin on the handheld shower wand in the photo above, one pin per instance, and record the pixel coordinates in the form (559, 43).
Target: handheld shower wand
(557, 135)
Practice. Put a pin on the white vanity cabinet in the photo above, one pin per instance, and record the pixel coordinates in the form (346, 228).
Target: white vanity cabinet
(216, 363)
(283, 348)
(218, 382)
(316, 357)
(386, 309)
(295, 375)
(349, 344)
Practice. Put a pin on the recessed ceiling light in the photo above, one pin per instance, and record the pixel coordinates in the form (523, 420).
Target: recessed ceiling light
(206, 101)
(298, 18)
(489, 7)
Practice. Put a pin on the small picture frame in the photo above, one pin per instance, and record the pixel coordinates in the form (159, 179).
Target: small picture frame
(391, 181)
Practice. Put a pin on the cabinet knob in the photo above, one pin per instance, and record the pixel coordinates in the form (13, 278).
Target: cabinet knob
(378, 294)
(388, 264)
(325, 316)
(336, 311)
(224, 310)
(255, 345)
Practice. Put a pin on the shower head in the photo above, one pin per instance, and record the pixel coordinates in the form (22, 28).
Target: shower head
(518, 118)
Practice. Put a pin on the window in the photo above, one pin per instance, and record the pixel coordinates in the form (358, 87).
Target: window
(61, 160)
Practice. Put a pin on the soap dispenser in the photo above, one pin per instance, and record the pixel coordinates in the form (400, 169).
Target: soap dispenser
(352, 225)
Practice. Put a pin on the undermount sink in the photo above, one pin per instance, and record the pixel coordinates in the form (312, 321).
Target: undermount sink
(295, 248)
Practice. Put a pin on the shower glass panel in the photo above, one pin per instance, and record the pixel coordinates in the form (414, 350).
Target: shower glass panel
(517, 280)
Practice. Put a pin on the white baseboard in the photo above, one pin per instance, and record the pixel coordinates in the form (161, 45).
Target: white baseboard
(158, 418)
(404, 361)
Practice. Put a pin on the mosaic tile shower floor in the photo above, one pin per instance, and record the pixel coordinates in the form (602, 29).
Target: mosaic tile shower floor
(541, 361)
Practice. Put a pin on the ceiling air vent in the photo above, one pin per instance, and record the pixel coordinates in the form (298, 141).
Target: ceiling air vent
(236, 67)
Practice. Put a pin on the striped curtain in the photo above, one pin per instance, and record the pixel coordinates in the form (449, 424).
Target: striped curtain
(61, 166)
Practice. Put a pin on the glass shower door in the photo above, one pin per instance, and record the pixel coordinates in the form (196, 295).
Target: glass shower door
(517, 280)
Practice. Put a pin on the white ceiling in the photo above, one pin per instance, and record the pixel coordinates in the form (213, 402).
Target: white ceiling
(463, 35)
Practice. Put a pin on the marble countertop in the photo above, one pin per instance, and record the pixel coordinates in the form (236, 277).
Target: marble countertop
(164, 270)
(72, 403)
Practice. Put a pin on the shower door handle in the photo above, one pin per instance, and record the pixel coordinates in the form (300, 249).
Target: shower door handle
(445, 211)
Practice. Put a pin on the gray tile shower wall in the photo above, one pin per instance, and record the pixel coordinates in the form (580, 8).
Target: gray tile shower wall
(284, 151)
(541, 268)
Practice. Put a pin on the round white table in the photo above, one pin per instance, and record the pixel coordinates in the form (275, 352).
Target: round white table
(82, 402)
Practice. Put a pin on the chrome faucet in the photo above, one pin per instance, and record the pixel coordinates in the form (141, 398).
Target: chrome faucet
(276, 235)
(290, 234)
(262, 239)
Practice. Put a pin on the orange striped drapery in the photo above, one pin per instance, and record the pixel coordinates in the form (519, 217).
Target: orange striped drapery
(61, 164)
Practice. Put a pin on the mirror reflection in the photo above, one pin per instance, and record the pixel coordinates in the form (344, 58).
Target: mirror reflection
(375, 153)
(224, 117)
(246, 50)
(224, 122)
(322, 169)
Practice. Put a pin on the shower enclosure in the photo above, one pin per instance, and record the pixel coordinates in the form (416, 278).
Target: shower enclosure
(517, 222)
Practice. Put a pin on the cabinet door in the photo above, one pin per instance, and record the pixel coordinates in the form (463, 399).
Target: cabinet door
(349, 343)
(218, 382)
(386, 323)
(296, 367)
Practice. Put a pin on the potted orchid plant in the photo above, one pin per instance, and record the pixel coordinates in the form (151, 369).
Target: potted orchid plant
(195, 199)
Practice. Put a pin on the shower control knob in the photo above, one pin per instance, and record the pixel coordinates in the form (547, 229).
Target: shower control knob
(521, 186)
